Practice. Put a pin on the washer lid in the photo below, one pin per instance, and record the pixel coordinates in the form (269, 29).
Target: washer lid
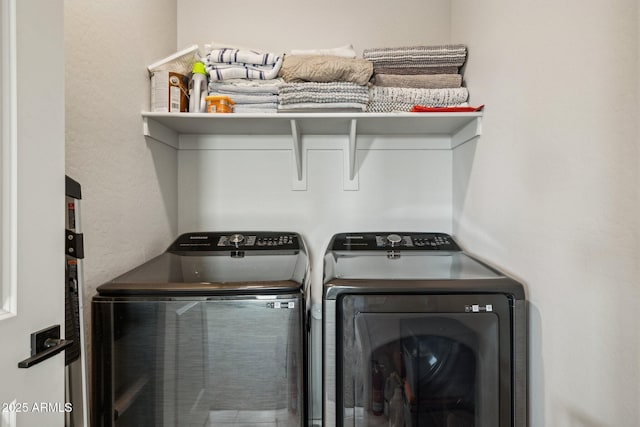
(409, 265)
(219, 263)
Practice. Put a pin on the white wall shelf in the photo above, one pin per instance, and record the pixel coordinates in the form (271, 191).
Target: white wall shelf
(442, 131)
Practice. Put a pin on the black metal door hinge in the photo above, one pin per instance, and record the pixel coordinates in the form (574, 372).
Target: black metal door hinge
(74, 244)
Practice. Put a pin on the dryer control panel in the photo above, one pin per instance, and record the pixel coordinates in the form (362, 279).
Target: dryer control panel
(209, 241)
(394, 241)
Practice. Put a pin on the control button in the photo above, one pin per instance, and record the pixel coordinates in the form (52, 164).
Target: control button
(237, 254)
(394, 239)
(236, 239)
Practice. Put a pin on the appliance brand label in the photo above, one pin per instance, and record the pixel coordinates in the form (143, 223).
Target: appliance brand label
(278, 304)
(476, 308)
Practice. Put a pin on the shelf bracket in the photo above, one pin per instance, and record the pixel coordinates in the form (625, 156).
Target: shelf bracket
(350, 179)
(299, 158)
(159, 132)
(470, 131)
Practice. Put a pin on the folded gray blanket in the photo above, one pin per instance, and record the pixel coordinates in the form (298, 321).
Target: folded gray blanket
(417, 70)
(313, 92)
(424, 81)
(324, 68)
(453, 55)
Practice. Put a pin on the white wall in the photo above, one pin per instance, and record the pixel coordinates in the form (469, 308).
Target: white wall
(550, 192)
(282, 25)
(236, 190)
(129, 187)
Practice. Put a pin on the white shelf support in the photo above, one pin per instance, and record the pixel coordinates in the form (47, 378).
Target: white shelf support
(299, 158)
(468, 132)
(352, 148)
(350, 179)
(159, 132)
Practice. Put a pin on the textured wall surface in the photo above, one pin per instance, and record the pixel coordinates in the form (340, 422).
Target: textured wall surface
(129, 187)
(550, 192)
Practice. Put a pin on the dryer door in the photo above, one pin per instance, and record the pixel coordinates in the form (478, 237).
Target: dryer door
(424, 360)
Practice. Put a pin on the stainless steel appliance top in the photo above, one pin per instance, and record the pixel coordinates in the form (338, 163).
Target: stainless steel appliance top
(407, 262)
(219, 263)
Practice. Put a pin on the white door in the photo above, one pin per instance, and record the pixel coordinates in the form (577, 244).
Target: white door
(32, 200)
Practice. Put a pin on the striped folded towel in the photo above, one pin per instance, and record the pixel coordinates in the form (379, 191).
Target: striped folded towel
(313, 92)
(230, 63)
(228, 55)
(450, 55)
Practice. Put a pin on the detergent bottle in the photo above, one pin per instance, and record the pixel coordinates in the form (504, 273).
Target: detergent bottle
(198, 89)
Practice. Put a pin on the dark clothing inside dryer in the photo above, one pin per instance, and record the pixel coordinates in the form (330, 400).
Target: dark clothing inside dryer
(440, 374)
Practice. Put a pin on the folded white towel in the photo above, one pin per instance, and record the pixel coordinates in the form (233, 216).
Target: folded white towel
(219, 71)
(248, 99)
(256, 108)
(346, 51)
(246, 86)
(242, 56)
(338, 106)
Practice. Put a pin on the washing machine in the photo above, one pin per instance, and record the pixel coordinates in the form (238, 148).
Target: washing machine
(417, 332)
(210, 333)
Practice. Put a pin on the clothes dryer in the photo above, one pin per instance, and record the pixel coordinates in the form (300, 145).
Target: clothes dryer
(418, 333)
(209, 333)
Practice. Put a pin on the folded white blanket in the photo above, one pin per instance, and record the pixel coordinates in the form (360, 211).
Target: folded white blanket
(346, 51)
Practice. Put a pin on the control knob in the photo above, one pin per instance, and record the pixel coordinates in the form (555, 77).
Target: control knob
(236, 239)
(394, 240)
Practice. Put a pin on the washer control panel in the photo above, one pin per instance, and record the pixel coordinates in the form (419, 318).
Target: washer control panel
(394, 241)
(235, 240)
(259, 240)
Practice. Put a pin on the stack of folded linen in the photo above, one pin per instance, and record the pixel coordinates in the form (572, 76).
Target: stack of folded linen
(322, 96)
(249, 95)
(231, 63)
(325, 68)
(391, 99)
(324, 80)
(417, 75)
